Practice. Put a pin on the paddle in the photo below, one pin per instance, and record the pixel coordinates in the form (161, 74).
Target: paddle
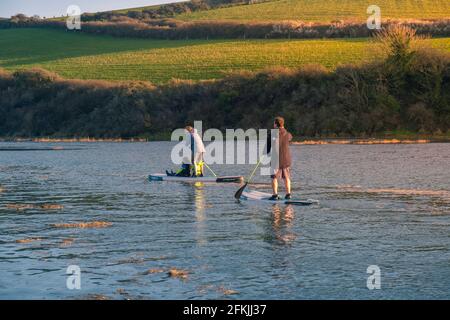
(238, 193)
(210, 169)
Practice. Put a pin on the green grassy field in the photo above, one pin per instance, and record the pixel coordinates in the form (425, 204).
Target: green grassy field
(84, 56)
(325, 10)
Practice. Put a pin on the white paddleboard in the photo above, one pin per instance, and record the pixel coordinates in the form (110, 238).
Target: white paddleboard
(165, 177)
(264, 197)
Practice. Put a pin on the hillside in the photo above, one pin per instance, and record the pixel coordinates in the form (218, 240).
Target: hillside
(408, 91)
(288, 19)
(405, 90)
(85, 56)
(325, 10)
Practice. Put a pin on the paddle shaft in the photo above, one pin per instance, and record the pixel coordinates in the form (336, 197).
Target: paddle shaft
(210, 169)
(254, 170)
(238, 193)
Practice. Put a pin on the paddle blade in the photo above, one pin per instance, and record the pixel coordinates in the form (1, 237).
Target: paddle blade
(238, 193)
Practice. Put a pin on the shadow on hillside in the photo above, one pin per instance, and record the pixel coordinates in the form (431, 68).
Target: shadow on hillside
(20, 47)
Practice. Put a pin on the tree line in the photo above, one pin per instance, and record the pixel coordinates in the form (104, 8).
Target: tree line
(133, 25)
(167, 10)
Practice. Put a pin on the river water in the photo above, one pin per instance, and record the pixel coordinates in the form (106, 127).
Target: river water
(383, 205)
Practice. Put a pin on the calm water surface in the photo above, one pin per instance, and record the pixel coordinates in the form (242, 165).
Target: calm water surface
(384, 205)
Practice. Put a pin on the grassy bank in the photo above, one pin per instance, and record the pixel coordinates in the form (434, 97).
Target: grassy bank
(405, 91)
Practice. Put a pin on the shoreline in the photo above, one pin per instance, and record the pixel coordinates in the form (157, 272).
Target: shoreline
(366, 141)
(301, 141)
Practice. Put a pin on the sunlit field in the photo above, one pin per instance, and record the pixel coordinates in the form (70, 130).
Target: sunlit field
(84, 56)
(325, 10)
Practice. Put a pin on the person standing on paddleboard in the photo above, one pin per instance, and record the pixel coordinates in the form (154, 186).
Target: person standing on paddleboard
(194, 141)
(280, 168)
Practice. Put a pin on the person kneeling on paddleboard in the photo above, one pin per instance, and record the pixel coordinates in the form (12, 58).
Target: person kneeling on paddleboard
(194, 141)
(282, 170)
(184, 171)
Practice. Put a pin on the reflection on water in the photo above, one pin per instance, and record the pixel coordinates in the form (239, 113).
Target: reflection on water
(386, 205)
(282, 221)
(200, 216)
